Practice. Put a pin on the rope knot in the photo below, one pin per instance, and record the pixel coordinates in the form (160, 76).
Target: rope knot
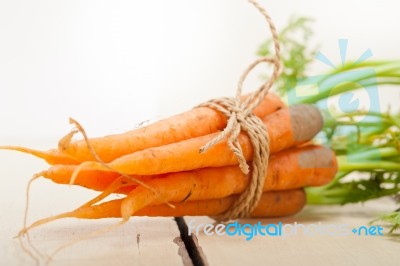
(240, 118)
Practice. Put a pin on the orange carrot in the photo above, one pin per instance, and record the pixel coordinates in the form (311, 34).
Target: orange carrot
(194, 123)
(289, 169)
(96, 180)
(285, 128)
(271, 204)
(319, 171)
(51, 156)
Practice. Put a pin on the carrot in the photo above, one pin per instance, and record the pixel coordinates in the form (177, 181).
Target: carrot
(174, 129)
(96, 180)
(271, 204)
(290, 169)
(52, 157)
(194, 123)
(286, 128)
(315, 174)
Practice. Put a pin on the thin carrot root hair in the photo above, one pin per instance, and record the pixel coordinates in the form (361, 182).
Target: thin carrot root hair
(69, 243)
(102, 163)
(27, 193)
(117, 184)
(27, 251)
(120, 182)
(63, 144)
(85, 237)
(294, 198)
(36, 153)
(90, 165)
(51, 156)
(65, 141)
(69, 214)
(21, 242)
(98, 159)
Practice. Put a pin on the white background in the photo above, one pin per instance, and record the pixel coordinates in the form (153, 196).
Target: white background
(114, 64)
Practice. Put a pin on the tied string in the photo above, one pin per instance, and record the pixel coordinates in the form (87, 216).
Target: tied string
(240, 118)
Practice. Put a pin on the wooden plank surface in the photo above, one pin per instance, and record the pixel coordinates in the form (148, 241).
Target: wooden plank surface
(303, 249)
(143, 241)
(153, 241)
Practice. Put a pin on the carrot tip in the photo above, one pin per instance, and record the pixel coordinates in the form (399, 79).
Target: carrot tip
(65, 141)
(51, 156)
(22, 232)
(37, 153)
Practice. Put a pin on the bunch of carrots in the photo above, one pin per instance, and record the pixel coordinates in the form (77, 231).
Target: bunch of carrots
(161, 171)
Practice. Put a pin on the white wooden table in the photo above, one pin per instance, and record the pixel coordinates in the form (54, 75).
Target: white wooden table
(301, 249)
(156, 241)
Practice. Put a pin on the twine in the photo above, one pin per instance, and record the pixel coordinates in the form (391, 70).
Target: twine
(240, 118)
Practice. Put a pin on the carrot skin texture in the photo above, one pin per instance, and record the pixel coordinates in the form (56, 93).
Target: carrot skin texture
(271, 204)
(52, 157)
(318, 166)
(285, 130)
(289, 169)
(96, 180)
(174, 129)
(294, 168)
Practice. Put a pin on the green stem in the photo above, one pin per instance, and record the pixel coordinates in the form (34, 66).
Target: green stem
(337, 179)
(363, 124)
(370, 166)
(360, 113)
(355, 66)
(319, 196)
(326, 85)
(344, 87)
(323, 196)
(370, 65)
(371, 154)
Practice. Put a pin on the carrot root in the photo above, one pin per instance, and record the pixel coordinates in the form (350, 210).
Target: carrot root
(66, 140)
(51, 156)
(271, 204)
(87, 236)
